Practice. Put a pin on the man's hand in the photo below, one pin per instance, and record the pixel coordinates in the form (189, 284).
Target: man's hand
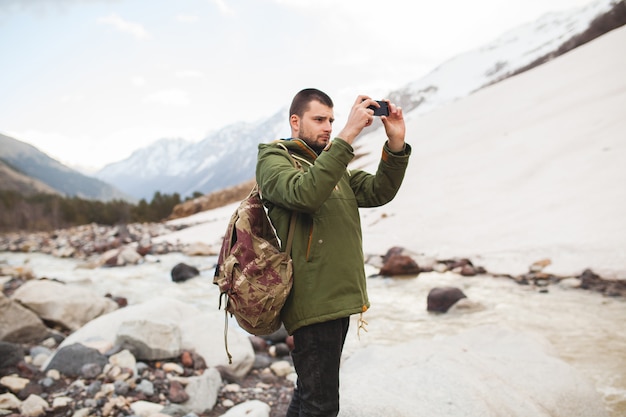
(394, 127)
(360, 116)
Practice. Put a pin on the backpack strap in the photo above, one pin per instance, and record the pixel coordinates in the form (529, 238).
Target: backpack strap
(292, 222)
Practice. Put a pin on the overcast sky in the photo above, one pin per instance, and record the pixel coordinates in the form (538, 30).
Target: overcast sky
(89, 81)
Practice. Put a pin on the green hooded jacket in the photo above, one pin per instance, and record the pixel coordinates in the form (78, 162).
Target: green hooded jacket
(329, 275)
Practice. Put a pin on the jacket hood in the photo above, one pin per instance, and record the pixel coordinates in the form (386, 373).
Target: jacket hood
(294, 145)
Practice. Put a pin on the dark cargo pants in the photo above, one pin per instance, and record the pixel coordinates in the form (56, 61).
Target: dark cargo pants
(316, 357)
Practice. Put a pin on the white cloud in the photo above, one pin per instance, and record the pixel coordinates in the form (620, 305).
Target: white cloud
(172, 97)
(125, 26)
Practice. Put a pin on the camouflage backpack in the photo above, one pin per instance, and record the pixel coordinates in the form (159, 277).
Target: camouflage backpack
(253, 275)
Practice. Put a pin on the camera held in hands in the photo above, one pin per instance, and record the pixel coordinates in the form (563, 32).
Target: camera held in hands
(383, 110)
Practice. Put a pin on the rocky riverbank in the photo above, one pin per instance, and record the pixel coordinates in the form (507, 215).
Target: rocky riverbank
(59, 358)
(125, 386)
(122, 369)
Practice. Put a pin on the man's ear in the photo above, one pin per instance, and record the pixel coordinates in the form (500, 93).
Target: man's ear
(294, 122)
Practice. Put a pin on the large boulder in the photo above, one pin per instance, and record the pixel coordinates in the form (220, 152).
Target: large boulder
(486, 372)
(68, 305)
(19, 324)
(202, 332)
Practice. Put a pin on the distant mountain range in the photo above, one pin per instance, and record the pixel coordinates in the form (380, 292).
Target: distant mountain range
(25, 169)
(227, 157)
(224, 158)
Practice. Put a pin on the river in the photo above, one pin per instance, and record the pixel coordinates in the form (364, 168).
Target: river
(586, 329)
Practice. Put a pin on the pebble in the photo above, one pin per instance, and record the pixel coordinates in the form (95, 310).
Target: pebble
(59, 402)
(83, 412)
(94, 387)
(54, 374)
(173, 368)
(145, 408)
(146, 387)
(14, 383)
(9, 401)
(121, 387)
(90, 370)
(34, 406)
(47, 382)
(40, 360)
(232, 388)
(123, 359)
(281, 368)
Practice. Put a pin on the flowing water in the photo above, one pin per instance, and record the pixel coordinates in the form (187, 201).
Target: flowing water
(586, 329)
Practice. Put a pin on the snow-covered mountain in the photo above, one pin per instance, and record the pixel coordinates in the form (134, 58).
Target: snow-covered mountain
(505, 56)
(222, 159)
(227, 157)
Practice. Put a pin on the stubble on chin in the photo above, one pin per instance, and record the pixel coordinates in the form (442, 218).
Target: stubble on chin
(317, 145)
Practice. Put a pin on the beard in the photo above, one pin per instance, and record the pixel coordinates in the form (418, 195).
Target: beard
(318, 145)
(317, 148)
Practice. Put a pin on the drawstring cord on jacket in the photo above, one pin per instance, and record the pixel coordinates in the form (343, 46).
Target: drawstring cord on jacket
(362, 324)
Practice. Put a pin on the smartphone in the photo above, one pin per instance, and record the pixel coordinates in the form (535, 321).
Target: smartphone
(383, 110)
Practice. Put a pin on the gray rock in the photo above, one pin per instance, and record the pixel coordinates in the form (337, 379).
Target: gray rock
(141, 367)
(121, 388)
(149, 339)
(69, 360)
(10, 354)
(145, 387)
(203, 391)
(94, 388)
(47, 382)
(40, 350)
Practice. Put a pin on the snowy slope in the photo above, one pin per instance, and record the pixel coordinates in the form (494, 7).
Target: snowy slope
(529, 168)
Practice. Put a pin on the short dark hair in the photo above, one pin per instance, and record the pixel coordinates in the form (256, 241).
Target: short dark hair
(300, 102)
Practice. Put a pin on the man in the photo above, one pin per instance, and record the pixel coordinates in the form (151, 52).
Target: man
(329, 277)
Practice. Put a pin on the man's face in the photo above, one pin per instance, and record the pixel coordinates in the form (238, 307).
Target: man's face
(315, 125)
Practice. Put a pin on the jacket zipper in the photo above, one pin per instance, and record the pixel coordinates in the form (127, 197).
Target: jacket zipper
(308, 246)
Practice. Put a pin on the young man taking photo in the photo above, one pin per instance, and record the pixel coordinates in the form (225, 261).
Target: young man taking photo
(329, 282)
